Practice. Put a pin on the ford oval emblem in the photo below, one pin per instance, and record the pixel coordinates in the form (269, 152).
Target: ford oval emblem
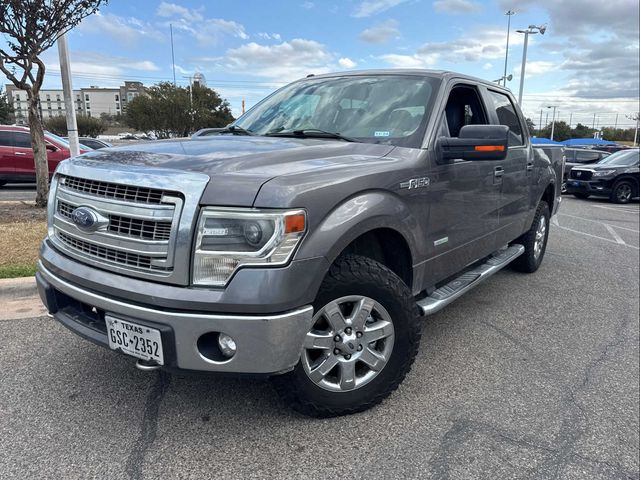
(85, 219)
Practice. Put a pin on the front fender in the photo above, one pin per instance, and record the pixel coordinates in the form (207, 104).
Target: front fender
(355, 216)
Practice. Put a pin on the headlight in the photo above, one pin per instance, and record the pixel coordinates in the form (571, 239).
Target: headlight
(603, 173)
(229, 239)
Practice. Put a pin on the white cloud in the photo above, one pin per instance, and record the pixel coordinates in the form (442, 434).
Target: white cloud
(308, 5)
(487, 66)
(123, 30)
(538, 67)
(269, 36)
(284, 61)
(409, 61)
(346, 62)
(169, 10)
(373, 7)
(456, 7)
(381, 33)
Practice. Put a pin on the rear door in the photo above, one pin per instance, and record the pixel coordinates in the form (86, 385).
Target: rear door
(23, 154)
(7, 160)
(517, 168)
(463, 195)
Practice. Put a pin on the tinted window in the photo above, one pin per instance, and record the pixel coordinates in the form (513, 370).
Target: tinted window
(507, 116)
(23, 140)
(6, 139)
(587, 156)
(463, 108)
(621, 159)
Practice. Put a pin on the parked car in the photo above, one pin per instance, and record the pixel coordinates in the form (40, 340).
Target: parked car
(92, 143)
(306, 240)
(16, 156)
(576, 157)
(617, 177)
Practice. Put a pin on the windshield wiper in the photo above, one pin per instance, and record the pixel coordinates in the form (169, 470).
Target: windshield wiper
(309, 133)
(236, 130)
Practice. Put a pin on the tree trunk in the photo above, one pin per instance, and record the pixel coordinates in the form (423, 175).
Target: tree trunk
(39, 150)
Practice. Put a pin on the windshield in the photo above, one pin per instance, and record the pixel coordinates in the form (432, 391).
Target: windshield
(390, 109)
(623, 158)
(58, 139)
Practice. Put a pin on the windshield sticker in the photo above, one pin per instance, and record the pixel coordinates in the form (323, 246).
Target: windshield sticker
(381, 134)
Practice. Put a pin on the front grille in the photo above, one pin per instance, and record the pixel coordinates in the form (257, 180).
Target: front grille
(134, 227)
(131, 227)
(581, 174)
(108, 254)
(128, 193)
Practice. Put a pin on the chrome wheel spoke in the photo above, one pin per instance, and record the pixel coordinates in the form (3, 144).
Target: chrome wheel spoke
(334, 316)
(325, 366)
(347, 375)
(316, 340)
(379, 330)
(372, 359)
(362, 311)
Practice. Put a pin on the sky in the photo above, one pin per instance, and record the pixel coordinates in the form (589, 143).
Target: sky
(586, 63)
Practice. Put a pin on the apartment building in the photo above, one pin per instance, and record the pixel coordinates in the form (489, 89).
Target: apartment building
(92, 101)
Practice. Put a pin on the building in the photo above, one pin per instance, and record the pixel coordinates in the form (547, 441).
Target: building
(92, 102)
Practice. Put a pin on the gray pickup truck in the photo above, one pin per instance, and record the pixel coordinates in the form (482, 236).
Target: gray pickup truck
(305, 241)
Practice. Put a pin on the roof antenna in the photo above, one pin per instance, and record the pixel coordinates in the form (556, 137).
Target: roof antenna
(310, 75)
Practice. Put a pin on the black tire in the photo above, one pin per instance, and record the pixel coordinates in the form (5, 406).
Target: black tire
(362, 276)
(622, 192)
(581, 196)
(529, 261)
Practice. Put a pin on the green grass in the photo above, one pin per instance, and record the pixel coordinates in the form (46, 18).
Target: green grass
(16, 271)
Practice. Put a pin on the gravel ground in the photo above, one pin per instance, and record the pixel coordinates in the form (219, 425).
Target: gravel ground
(527, 376)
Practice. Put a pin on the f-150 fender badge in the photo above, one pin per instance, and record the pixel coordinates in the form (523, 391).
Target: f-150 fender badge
(415, 183)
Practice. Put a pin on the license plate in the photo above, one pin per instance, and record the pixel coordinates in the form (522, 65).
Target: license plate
(575, 184)
(135, 340)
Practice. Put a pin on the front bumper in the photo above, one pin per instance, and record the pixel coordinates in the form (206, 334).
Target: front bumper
(266, 344)
(591, 187)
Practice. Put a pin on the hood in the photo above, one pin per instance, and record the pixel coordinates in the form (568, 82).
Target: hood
(239, 165)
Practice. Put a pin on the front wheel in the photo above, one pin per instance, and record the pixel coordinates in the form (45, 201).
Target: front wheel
(622, 192)
(534, 241)
(363, 339)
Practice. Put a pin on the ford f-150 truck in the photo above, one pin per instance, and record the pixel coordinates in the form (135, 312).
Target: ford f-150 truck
(306, 240)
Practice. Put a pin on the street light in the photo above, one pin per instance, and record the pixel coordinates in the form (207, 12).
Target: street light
(553, 119)
(504, 80)
(506, 53)
(532, 29)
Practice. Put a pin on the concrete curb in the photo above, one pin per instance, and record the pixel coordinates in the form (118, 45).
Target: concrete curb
(16, 288)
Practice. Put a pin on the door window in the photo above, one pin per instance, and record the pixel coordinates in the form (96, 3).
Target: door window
(464, 107)
(23, 140)
(587, 157)
(507, 115)
(6, 139)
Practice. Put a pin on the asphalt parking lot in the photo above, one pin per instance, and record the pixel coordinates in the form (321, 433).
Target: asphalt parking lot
(18, 192)
(527, 376)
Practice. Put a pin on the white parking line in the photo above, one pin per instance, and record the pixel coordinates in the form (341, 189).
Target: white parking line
(614, 234)
(555, 222)
(597, 221)
(618, 209)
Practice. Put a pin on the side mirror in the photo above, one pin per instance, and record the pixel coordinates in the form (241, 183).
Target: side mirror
(51, 148)
(476, 142)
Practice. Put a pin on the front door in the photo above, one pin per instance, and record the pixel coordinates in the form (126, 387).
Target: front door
(23, 155)
(7, 161)
(463, 195)
(518, 168)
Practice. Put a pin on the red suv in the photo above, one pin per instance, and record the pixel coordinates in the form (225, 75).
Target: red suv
(16, 155)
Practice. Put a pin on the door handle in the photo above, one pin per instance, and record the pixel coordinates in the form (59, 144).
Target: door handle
(19, 153)
(498, 172)
(529, 166)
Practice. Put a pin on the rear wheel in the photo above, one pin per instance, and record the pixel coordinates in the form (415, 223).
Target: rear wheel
(581, 196)
(622, 192)
(534, 241)
(363, 340)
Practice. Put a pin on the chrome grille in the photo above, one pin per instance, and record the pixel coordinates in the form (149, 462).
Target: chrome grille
(116, 191)
(138, 220)
(108, 254)
(132, 227)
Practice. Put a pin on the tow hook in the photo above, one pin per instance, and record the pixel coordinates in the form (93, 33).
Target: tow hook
(147, 366)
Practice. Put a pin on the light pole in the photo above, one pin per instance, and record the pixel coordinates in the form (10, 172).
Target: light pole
(553, 119)
(532, 29)
(508, 13)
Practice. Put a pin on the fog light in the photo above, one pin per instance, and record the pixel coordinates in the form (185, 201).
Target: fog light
(227, 345)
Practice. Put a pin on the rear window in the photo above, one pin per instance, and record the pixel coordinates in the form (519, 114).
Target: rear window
(23, 140)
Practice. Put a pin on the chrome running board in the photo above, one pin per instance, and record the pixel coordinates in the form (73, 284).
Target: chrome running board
(457, 287)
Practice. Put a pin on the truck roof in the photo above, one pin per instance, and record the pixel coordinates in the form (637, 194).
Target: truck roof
(444, 74)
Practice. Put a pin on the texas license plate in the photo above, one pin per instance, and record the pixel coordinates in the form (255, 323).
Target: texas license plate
(135, 340)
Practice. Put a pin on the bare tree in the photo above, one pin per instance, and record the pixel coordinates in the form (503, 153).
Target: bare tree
(30, 27)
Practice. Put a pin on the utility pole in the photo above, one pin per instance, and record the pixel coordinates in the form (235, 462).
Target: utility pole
(532, 29)
(636, 117)
(540, 123)
(615, 127)
(173, 58)
(243, 106)
(67, 92)
(593, 127)
(506, 53)
(570, 119)
(553, 119)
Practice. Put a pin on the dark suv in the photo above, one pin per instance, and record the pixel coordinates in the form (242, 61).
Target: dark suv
(576, 157)
(616, 177)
